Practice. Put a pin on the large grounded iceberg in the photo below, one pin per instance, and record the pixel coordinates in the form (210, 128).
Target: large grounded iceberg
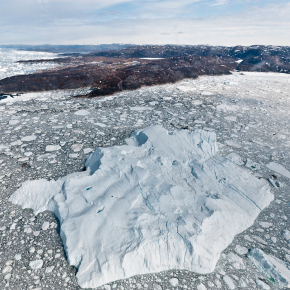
(166, 200)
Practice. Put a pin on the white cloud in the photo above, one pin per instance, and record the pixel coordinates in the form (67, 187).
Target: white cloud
(220, 2)
(171, 4)
(46, 11)
(268, 25)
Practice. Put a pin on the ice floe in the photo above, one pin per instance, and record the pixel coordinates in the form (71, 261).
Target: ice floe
(279, 169)
(235, 261)
(286, 236)
(166, 200)
(50, 148)
(235, 158)
(82, 113)
(276, 270)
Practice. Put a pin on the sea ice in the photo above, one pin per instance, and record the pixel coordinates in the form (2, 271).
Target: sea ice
(286, 236)
(235, 158)
(227, 108)
(236, 261)
(37, 264)
(232, 144)
(262, 285)
(201, 287)
(273, 268)
(279, 169)
(231, 118)
(252, 165)
(174, 282)
(3, 148)
(50, 148)
(230, 283)
(241, 250)
(140, 108)
(82, 113)
(166, 200)
(28, 138)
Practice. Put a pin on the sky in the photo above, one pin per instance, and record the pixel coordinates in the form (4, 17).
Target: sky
(213, 22)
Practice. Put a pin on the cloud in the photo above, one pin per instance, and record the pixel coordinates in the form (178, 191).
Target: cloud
(171, 4)
(220, 2)
(47, 11)
(269, 24)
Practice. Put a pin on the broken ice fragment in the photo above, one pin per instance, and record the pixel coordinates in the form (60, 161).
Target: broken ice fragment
(17, 257)
(49, 269)
(235, 261)
(50, 148)
(226, 108)
(101, 125)
(76, 147)
(174, 282)
(87, 150)
(232, 144)
(140, 108)
(286, 236)
(262, 284)
(265, 224)
(279, 169)
(45, 226)
(229, 281)
(201, 287)
(252, 165)
(16, 143)
(37, 264)
(276, 270)
(82, 113)
(235, 158)
(241, 250)
(231, 118)
(29, 138)
(13, 122)
(3, 148)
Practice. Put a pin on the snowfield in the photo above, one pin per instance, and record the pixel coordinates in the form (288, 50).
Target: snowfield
(166, 200)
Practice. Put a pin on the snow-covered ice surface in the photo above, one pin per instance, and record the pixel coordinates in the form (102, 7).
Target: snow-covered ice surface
(166, 200)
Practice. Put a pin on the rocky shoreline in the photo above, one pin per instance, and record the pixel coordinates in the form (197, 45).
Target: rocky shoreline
(108, 72)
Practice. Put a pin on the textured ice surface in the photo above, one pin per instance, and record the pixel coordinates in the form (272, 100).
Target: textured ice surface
(166, 200)
(273, 268)
(279, 169)
(286, 236)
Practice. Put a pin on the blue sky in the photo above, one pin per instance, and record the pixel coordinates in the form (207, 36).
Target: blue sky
(216, 22)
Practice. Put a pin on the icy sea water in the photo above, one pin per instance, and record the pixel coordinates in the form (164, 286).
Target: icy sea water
(9, 66)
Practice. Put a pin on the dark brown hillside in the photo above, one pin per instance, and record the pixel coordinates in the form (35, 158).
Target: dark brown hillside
(108, 77)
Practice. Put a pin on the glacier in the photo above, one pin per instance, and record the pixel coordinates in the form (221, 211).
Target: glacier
(166, 200)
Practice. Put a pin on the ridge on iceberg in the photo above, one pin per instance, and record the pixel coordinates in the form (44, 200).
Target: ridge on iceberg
(166, 200)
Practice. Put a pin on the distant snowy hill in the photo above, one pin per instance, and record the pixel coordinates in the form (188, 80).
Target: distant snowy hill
(66, 48)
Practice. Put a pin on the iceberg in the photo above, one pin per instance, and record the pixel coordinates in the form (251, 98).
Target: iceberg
(166, 200)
